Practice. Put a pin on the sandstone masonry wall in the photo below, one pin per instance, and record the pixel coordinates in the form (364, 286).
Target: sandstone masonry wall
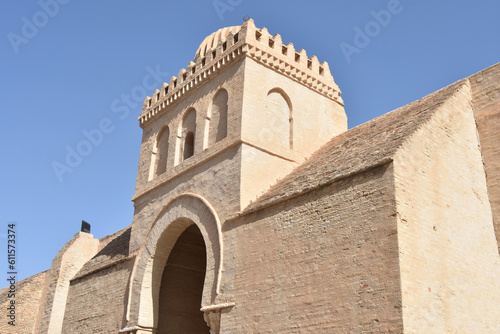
(314, 119)
(29, 293)
(97, 302)
(486, 98)
(323, 262)
(68, 261)
(450, 266)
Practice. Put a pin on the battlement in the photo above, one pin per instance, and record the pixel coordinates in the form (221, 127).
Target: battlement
(226, 45)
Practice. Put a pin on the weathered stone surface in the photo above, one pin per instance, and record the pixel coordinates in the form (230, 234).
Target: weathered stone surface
(68, 261)
(322, 262)
(486, 99)
(28, 297)
(447, 248)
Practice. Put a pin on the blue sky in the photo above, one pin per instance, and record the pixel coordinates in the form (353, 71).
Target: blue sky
(64, 65)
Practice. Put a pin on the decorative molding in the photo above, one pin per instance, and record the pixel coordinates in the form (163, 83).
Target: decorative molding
(224, 47)
(294, 72)
(194, 82)
(137, 330)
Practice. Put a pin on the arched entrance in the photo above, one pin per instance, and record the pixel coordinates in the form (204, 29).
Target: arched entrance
(143, 313)
(182, 284)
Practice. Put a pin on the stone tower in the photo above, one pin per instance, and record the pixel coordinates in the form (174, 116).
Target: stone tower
(244, 113)
(248, 101)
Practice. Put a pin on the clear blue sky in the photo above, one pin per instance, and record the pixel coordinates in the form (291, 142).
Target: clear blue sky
(62, 68)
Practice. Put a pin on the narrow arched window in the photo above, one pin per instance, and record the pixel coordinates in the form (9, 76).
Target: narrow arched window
(218, 117)
(187, 134)
(162, 151)
(189, 145)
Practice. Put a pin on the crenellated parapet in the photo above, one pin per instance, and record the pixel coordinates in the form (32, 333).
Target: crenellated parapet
(272, 52)
(223, 47)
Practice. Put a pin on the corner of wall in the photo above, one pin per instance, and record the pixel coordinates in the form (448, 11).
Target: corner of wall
(448, 257)
(68, 261)
(486, 103)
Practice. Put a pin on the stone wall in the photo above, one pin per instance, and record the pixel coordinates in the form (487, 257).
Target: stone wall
(68, 261)
(216, 180)
(323, 262)
(97, 293)
(486, 98)
(28, 295)
(311, 120)
(449, 262)
(97, 302)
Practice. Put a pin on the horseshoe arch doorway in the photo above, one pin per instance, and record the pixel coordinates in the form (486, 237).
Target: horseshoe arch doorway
(182, 284)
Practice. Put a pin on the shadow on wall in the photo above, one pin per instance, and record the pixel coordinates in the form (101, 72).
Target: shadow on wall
(117, 246)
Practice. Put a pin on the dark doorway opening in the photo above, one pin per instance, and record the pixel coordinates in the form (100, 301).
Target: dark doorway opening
(182, 286)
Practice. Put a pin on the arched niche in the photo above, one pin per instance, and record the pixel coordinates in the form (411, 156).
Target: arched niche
(279, 117)
(175, 218)
(218, 117)
(161, 150)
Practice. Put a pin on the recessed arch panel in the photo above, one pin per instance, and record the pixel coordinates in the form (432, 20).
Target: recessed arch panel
(174, 219)
(279, 117)
(162, 150)
(218, 117)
